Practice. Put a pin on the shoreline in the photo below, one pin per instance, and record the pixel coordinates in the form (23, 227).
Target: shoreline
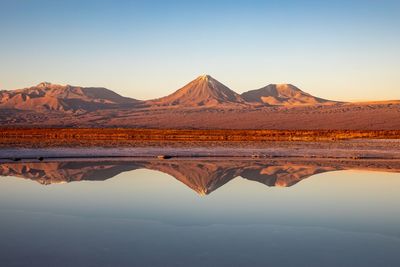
(17, 144)
(346, 149)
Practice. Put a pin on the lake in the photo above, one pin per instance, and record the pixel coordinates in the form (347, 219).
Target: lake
(199, 212)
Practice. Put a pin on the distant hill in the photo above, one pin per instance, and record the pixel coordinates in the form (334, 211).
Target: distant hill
(203, 91)
(66, 98)
(283, 95)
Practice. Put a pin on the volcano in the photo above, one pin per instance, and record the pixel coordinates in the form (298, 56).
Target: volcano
(203, 91)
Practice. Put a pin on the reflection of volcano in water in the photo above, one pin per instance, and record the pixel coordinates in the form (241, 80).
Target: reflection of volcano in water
(202, 175)
(205, 176)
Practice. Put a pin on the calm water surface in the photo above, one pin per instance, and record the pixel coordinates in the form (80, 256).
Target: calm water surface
(197, 213)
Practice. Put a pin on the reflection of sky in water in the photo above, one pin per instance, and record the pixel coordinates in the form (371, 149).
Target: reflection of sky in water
(142, 216)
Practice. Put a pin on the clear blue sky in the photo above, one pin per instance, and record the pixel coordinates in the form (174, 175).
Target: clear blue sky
(345, 50)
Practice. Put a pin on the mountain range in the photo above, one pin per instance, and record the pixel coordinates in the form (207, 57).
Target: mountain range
(204, 91)
(202, 103)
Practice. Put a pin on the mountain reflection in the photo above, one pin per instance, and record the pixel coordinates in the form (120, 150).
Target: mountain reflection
(202, 175)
